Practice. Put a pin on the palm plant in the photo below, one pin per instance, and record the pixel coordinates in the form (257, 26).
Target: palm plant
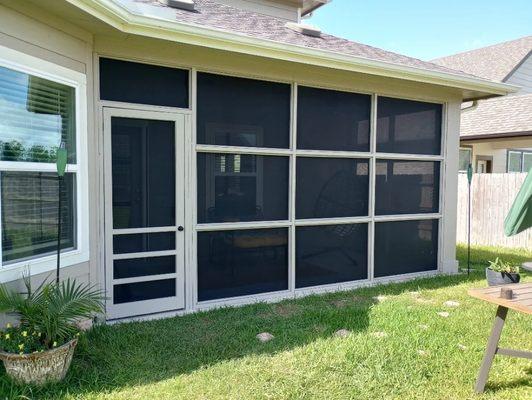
(53, 308)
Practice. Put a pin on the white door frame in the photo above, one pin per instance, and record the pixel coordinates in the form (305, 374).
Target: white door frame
(115, 311)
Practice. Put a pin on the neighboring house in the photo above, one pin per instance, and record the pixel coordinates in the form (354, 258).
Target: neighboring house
(496, 134)
(221, 152)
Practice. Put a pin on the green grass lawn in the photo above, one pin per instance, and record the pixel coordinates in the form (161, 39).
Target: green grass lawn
(399, 348)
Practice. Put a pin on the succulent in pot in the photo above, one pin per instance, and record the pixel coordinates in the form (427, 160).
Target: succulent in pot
(40, 348)
(501, 272)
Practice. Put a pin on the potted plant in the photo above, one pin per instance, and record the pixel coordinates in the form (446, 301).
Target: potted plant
(41, 347)
(500, 273)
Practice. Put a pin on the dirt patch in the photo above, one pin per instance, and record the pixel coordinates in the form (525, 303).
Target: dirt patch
(285, 310)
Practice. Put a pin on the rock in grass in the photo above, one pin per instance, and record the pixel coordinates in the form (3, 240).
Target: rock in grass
(451, 303)
(342, 333)
(423, 326)
(379, 299)
(462, 347)
(264, 337)
(423, 353)
(443, 314)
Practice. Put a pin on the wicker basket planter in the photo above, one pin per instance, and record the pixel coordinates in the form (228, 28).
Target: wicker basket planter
(39, 368)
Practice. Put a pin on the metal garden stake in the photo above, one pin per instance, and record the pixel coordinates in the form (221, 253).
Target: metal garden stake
(469, 179)
(61, 167)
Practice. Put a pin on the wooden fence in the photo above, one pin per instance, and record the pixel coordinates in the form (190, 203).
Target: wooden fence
(492, 196)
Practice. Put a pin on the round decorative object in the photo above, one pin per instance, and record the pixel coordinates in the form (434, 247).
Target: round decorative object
(39, 368)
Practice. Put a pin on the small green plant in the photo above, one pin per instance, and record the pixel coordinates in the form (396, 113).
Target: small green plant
(47, 315)
(503, 266)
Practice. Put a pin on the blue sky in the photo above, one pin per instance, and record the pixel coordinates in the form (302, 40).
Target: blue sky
(426, 29)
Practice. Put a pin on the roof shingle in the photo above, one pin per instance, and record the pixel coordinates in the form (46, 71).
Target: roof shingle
(211, 14)
(502, 115)
(493, 62)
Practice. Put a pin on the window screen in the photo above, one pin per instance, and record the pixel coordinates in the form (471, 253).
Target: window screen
(36, 115)
(242, 262)
(407, 187)
(133, 82)
(331, 254)
(242, 187)
(514, 161)
(130, 268)
(331, 187)
(410, 127)
(29, 214)
(332, 120)
(139, 291)
(464, 159)
(527, 161)
(403, 247)
(143, 173)
(242, 112)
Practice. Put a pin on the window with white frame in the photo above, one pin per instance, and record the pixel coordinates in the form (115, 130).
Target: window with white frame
(519, 160)
(464, 158)
(38, 112)
(339, 197)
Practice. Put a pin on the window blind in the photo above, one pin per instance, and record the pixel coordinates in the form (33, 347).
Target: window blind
(36, 114)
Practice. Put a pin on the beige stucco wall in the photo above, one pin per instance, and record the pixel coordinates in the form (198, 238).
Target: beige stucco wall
(40, 34)
(498, 149)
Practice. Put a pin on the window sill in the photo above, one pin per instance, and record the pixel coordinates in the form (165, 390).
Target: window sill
(42, 265)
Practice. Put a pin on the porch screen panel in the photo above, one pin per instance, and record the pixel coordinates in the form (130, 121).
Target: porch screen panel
(409, 127)
(143, 173)
(242, 112)
(242, 262)
(332, 120)
(407, 187)
(242, 187)
(332, 187)
(403, 247)
(328, 254)
(132, 82)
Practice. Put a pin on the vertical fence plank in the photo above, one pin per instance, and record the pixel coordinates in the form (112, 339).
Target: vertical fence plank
(492, 196)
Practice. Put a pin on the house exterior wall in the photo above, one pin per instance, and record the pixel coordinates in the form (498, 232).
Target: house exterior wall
(43, 36)
(498, 149)
(522, 76)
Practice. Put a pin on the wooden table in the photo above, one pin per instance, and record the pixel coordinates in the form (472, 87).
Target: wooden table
(521, 301)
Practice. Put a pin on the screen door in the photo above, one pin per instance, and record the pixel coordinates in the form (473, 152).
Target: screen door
(144, 211)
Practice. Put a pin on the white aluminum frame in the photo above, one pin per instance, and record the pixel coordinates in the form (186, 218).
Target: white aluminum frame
(166, 304)
(25, 63)
(292, 223)
(192, 228)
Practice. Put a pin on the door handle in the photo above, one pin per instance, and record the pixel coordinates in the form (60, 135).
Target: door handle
(180, 228)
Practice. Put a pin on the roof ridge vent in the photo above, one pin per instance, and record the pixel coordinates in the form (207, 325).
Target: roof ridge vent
(305, 29)
(180, 4)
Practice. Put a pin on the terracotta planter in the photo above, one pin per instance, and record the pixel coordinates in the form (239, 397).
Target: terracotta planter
(39, 368)
(499, 278)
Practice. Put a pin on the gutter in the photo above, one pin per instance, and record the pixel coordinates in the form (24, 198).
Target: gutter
(504, 135)
(127, 21)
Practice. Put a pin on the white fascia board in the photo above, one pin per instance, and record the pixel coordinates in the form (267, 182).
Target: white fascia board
(146, 20)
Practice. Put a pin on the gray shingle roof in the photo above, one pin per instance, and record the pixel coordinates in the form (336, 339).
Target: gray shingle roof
(492, 62)
(502, 115)
(211, 14)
